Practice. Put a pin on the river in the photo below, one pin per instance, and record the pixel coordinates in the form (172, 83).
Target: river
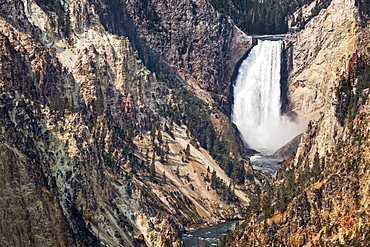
(211, 235)
(265, 164)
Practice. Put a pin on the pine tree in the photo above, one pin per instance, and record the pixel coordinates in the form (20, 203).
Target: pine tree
(187, 151)
(206, 178)
(316, 168)
(159, 137)
(152, 169)
(152, 133)
(214, 180)
(165, 152)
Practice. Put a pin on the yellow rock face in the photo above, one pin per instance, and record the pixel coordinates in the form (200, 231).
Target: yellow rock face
(320, 56)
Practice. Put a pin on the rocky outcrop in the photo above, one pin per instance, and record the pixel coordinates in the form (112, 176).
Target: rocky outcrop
(288, 150)
(91, 153)
(202, 45)
(318, 57)
(29, 206)
(321, 195)
(329, 199)
(185, 42)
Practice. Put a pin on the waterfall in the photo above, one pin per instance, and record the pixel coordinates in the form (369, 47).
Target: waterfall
(257, 100)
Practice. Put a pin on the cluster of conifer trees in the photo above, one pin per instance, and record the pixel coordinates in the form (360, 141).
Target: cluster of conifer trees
(353, 89)
(196, 115)
(262, 17)
(64, 22)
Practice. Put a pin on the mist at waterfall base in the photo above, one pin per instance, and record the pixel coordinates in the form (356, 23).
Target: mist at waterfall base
(257, 100)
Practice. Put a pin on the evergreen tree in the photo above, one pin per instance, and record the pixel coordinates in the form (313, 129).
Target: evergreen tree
(206, 178)
(152, 169)
(187, 151)
(213, 180)
(152, 133)
(263, 17)
(316, 168)
(159, 137)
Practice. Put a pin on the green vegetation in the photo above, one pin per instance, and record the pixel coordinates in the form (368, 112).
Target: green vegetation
(196, 115)
(353, 90)
(225, 192)
(364, 10)
(292, 186)
(169, 131)
(271, 198)
(301, 22)
(152, 169)
(64, 21)
(151, 200)
(121, 151)
(160, 148)
(265, 17)
(187, 151)
(268, 198)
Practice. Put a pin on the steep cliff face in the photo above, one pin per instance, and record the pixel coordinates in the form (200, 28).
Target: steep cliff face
(186, 43)
(95, 149)
(29, 206)
(319, 56)
(190, 36)
(321, 196)
(318, 202)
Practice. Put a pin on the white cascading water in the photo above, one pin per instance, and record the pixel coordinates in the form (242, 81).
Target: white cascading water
(257, 104)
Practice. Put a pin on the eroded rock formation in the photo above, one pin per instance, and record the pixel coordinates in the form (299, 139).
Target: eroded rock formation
(94, 149)
(321, 196)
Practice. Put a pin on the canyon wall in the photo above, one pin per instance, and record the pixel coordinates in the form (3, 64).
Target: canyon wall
(202, 45)
(96, 148)
(320, 196)
(318, 57)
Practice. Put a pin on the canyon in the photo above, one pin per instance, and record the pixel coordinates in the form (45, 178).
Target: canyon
(320, 196)
(96, 148)
(115, 126)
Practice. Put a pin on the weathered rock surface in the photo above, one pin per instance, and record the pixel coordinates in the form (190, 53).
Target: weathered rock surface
(321, 198)
(184, 42)
(85, 155)
(288, 150)
(200, 43)
(319, 56)
(331, 207)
